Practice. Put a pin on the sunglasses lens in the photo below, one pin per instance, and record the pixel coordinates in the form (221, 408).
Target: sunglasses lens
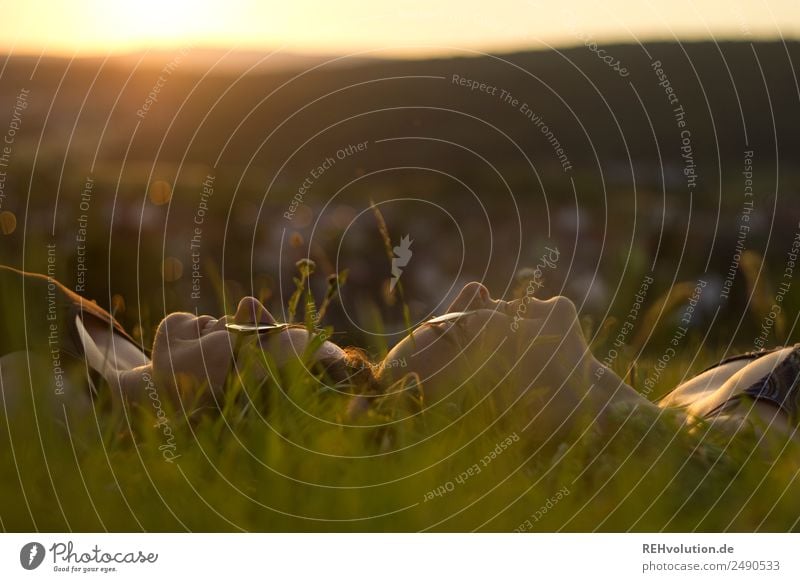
(448, 317)
(255, 327)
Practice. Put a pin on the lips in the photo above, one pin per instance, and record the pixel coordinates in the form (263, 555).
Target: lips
(200, 323)
(216, 324)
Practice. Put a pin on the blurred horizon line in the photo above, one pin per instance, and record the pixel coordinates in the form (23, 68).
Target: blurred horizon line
(278, 58)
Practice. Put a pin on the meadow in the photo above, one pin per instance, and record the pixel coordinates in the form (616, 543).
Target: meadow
(284, 456)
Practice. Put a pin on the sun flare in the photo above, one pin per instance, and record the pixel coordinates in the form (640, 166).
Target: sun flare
(148, 22)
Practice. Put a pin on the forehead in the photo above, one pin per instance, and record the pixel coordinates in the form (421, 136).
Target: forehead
(185, 330)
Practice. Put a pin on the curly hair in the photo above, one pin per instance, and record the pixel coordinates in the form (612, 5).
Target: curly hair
(355, 371)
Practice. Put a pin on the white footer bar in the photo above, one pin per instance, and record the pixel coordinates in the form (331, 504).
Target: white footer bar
(401, 557)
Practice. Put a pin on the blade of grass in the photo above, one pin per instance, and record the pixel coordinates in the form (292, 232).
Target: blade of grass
(387, 245)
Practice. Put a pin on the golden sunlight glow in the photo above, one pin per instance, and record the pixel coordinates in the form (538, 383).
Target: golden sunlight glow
(156, 22)
(160, 19)
(397, 26)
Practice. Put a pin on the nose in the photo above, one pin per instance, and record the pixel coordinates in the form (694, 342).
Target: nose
(474, 295)
(250, 310)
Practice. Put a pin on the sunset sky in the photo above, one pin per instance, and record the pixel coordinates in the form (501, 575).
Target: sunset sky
(418, 27)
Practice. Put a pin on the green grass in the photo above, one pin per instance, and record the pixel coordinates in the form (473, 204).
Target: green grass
(287, 472)
(286, 463)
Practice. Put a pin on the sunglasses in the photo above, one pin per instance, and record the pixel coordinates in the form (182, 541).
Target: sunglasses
(453, 316)
(256, 328)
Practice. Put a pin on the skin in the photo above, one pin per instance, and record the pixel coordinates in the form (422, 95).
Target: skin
(189, 350)
(540, 362)
(560, 381)
(527, 352)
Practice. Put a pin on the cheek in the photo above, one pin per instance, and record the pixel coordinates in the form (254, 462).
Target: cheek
(573, 333)
(215, 358)
(443, 370)
(207, 359)
(284, 347)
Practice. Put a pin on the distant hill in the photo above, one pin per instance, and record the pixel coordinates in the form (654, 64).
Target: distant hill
(733, 93)
(238, 61)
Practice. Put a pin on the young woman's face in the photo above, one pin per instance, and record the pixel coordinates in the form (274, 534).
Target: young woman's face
(200, 348)
(488, 343)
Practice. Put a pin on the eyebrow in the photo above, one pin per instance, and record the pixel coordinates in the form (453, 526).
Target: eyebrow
(455, 321)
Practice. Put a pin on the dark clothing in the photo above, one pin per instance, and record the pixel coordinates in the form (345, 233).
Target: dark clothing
(781, 387)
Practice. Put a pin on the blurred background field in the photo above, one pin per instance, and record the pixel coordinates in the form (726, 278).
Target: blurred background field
(475, 183)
